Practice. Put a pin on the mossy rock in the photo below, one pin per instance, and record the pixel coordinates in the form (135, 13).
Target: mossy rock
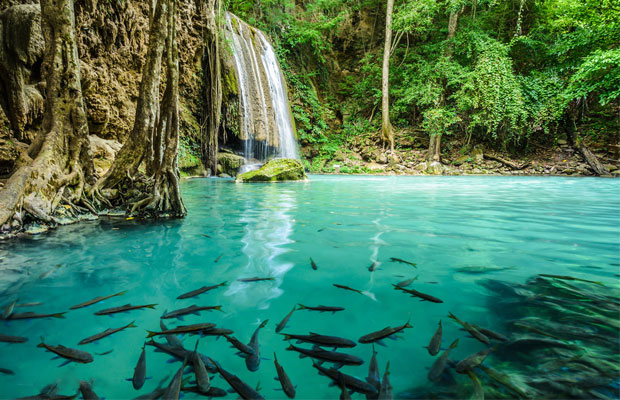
(229, 163)
(279, 169)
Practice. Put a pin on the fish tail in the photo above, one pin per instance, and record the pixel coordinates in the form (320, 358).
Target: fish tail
(151, 306)
(275, 358)
(287, 337)
(262, 325)
(131, 325)
(58, 315)
(223, 283)
(454, 344)
(290, 347)
(42, 344)
(450, 315)
(120, 293)
(151, 334)
(218, 308)
(302, 307)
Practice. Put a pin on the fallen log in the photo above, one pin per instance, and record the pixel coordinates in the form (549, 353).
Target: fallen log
(507, 163)
(592, 160)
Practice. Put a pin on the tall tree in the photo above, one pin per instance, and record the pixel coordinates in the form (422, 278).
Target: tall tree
(387, 130)
(58, 164)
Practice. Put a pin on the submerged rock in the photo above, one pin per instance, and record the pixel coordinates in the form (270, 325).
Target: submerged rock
(279, 169)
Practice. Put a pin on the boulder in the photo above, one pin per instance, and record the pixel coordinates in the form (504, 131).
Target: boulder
(229, 163)
(104, 151)
(461, 160)
(478, 155)
(279, 169)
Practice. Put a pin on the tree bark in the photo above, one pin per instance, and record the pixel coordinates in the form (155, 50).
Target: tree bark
(387, 130)
(212, 89)
(58, 164)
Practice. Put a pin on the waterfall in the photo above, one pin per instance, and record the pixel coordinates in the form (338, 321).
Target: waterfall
(265, 120)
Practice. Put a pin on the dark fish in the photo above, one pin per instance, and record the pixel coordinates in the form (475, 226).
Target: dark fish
(203, 289)
(321, 308)
(348, 381)
(8, 310)
(193, 309)
(321, 340)
(242, 347)
(217, 332)
(570, 278)
(105, 352)
(471, 329)
(407, 282)
(126, 307)
(491, 334)
(205, 235)
(75, 355)
(190, 329)
(255, 279)
(472, 361)
(421, 295)
(478, 389)
(31, 315)
(533, 329)
(374, 377)
(87, 391)
(373, 267)
(313, 264)
(212, 392)
(96, 300)
(285, 381)
(105, 333)
(12, 339)
(171, 339)
(435, 343)
(6, 371)
(243, 389)
(440, 364)
(325, 355)
(344, 393)
(139, 372)
(383, 333)
(252, 361)
(181, 354)
(347, 288)
(200, 371)
(385, 393)
(282, 323)
(393, 259)
(173, 391)
(218, 258)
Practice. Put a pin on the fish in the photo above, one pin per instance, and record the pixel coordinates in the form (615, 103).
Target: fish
(212, 392)
(200, 371)
(440, 363)
(171, 339)
(489, 333)
(385, 392)
(105, 352)
(471, 329)
(394, 259)
(31, 315)
(242, 347)
(284, 321)
(321, 340)
(255, 279)
(374, 377)
(504, 380)
(344, 393)
(217, 332)
(96, 300)
(205, 235)
(6, 371)
(189, 329)
(533, 329)
(12, 339)
(139, 372)
(173, 391)
(526, 343)
(348, 381)
(313, 264)
(180, 353)
(48, 273)
(193, 309)
(435, 343)
(125, 308)
(285, 381)
(252, 361)
(347, 288)
(201, 290)
(8, 310)
(472, 361)
(475, 269)
(328, 356)
(243, 389)
(421, 295)
(218, 258)
(373, 266)
(74, 355)
(321, 308)
(407, 282)
(87, 391)
(383, 333)
(570, 278)
(478, 389)
(105, 333)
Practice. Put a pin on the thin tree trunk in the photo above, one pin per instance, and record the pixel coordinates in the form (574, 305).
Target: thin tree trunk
(387, 130)
(212, 89)
(58, 164)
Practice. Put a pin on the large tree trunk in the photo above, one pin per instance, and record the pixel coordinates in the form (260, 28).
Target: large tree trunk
(58, 163)
(386, 126)
(212, 89)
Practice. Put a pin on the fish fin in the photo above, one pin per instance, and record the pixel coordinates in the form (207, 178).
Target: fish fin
(279, 390)
(381, 343)
(262, 325)
(151, 334)
(338, 366)
(58, 315)
(231, 390)
(290, 347)
(286, 337)
(42, 344)
(129, 379)
(180, 318)
(170, 360)
(302, 307)
(151, 306)
(65, 363)
(393, 337)
(131, 325)
(265, 358)
(454, 344)
(218, 308)
(303, 356)
(119, 293)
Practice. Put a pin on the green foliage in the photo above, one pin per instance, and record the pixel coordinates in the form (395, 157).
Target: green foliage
(438, 121)
(598, 73)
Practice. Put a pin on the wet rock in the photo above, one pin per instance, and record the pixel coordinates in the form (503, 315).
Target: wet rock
(279, 169)
(461, 160)
(478, 155)
(616, 172)
(224, 175)
(230, 163)
(374, 167)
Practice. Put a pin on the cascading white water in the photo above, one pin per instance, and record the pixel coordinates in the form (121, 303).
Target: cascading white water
(266, 125)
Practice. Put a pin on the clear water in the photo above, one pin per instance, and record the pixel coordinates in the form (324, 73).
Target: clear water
(553, 225)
